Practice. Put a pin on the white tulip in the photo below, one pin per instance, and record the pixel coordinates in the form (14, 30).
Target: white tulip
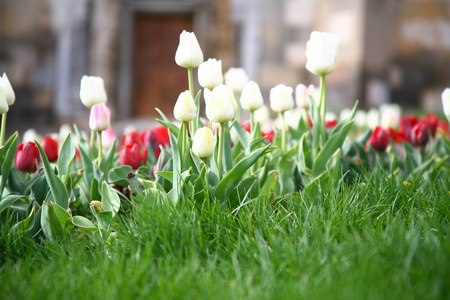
(251, 98)
(3, 103)
(210, 73)
(189, 54)
(7, 90)
(31, 135)
(360, 118)
(446, 102)
(281, 99)
(236, 78)
(203, 143)
(263, 115)
(99, 119)
(219, 107)
(373, 118)
(321, 51)
(185, 109)
(345, 112)
(92, 91)
(301, 94)
(390, 115)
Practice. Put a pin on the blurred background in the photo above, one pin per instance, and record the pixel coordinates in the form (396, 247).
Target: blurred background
(390, 51)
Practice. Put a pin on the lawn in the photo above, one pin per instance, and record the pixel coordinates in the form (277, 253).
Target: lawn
(375, 238)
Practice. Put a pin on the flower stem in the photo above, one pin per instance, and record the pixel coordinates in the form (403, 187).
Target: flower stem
(252, 124)
(183, 144)
(238, 102)
(92, 141)
(283, 133)
(323, 97)
(220, 154)
(193, 125)
(3, 130)
(100, 150)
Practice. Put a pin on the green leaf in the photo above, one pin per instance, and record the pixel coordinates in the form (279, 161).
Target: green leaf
(110, 199)
(26, 225)
(108, 160)
(57, 187)
(8, 162)
(8, 200)
(82, 222)
(242, 134)
(169, 125)
(334, 165)
(176, 180)
(119, 175)
(66, 156)
(232, 178)
(334, 142)
(53, 221)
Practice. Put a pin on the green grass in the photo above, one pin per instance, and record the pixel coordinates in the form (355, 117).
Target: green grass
(377, 238)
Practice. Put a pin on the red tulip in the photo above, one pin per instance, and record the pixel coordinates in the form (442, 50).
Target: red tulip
(420, 133)
(432, 122)
(443, 127)
(395, 135)
(27, 157)
(50, 147)
(130, 155)
(406, 125)
(379, 138)
(330, 123)
(159, 137)
(145, 137)
(131, 138)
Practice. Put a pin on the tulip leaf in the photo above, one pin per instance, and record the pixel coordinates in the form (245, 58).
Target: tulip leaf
(110, 199)
(334, 165)
(228, 161)
(66, 156)
(53, 221)
(176, 181)
(108, 160)
(88, 166)
(242, 134)
(8, 162)
(26, 225)
(119, 175)
(8, 200)
(334, 142)
(57, 187)
(232, 178)
(343, 122)
(82, 222)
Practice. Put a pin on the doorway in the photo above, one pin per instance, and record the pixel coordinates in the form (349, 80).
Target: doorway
(157, 79)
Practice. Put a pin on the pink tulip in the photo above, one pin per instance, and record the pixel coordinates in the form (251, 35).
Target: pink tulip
(100, 117)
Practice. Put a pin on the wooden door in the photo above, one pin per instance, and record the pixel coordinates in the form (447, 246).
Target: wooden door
(157, 79)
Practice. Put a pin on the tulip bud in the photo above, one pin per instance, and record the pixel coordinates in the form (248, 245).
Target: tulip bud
(373, 118)
(50, 147)
(92, 91)
(236, 79)
(185, 109)
(251, 98)
(131, 138)
(130, 155)
(379, 139)
(390, 115)
(301, 95)
(420, 133)
(321, 51)
(262, 115)
(5, 85)
(219, 107)
(98, 206)
(108, 138)
(100, 117)
(210, 73)
(203, 143)
(446, 102)
(281, 99)
(189, 54)
(360, 119)
(3, 103)
(27, 157)
(159, 136)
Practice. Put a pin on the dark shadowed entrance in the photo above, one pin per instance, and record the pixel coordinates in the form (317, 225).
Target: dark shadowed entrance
(157, 79)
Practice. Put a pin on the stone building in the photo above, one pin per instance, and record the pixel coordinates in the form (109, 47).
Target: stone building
(390, 50)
